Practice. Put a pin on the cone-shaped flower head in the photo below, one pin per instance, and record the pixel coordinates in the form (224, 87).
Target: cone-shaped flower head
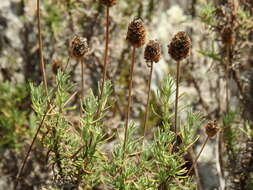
(180, 46)
(212, 129)
(108, 3)
(78, 47)
(152, 51)
(136, 34)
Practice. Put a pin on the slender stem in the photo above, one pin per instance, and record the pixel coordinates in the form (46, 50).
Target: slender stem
(56, 143)
(196, 159)
(227, 77)
(82, 79)
(177, 91)
(191, 152)
(66, 66)
(147, 105)
(42, 65)
(74, 155)
(129, 99)
(219, 157)
(105, 61)
(33, 141)
(106, 50)
(70, 98)
(82, 87)
(49, 109)
(71, 20)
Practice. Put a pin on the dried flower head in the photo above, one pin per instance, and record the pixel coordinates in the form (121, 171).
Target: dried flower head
(136, 34)
(56, 65)
(227, 36)
(212, 128)
(180, 46)
(152, 51)
(108, 3)
(78, 47)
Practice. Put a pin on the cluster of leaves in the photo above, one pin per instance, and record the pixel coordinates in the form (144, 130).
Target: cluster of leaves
(13, 117)
(157, 165)
(73, 147)
(76, 154)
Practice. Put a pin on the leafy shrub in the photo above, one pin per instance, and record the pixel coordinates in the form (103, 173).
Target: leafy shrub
(14, 100)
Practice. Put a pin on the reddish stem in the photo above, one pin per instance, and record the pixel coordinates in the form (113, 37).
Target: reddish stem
(106, 50)
(147, 105)
(42, 65)
(129, 99)
(177, 92)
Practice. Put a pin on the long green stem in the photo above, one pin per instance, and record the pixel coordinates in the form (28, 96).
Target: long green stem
(148, 100)
(42, 65)
(129, 100)
(177, 92)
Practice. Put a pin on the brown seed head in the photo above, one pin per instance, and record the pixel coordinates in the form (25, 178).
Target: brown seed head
(109, 3)
(152, 51)
(78, 47)
(212, 128)
(136, 34)
(180, 46)
(227, 36)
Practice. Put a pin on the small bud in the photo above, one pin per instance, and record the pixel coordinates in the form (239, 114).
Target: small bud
(78, 47)
(180, 46)
(108, 3)
(227, 36)
(212, 128)
(56, 65)
(136, 34)
(152, 51)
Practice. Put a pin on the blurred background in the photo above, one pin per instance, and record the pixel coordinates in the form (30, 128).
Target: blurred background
(202, 82)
